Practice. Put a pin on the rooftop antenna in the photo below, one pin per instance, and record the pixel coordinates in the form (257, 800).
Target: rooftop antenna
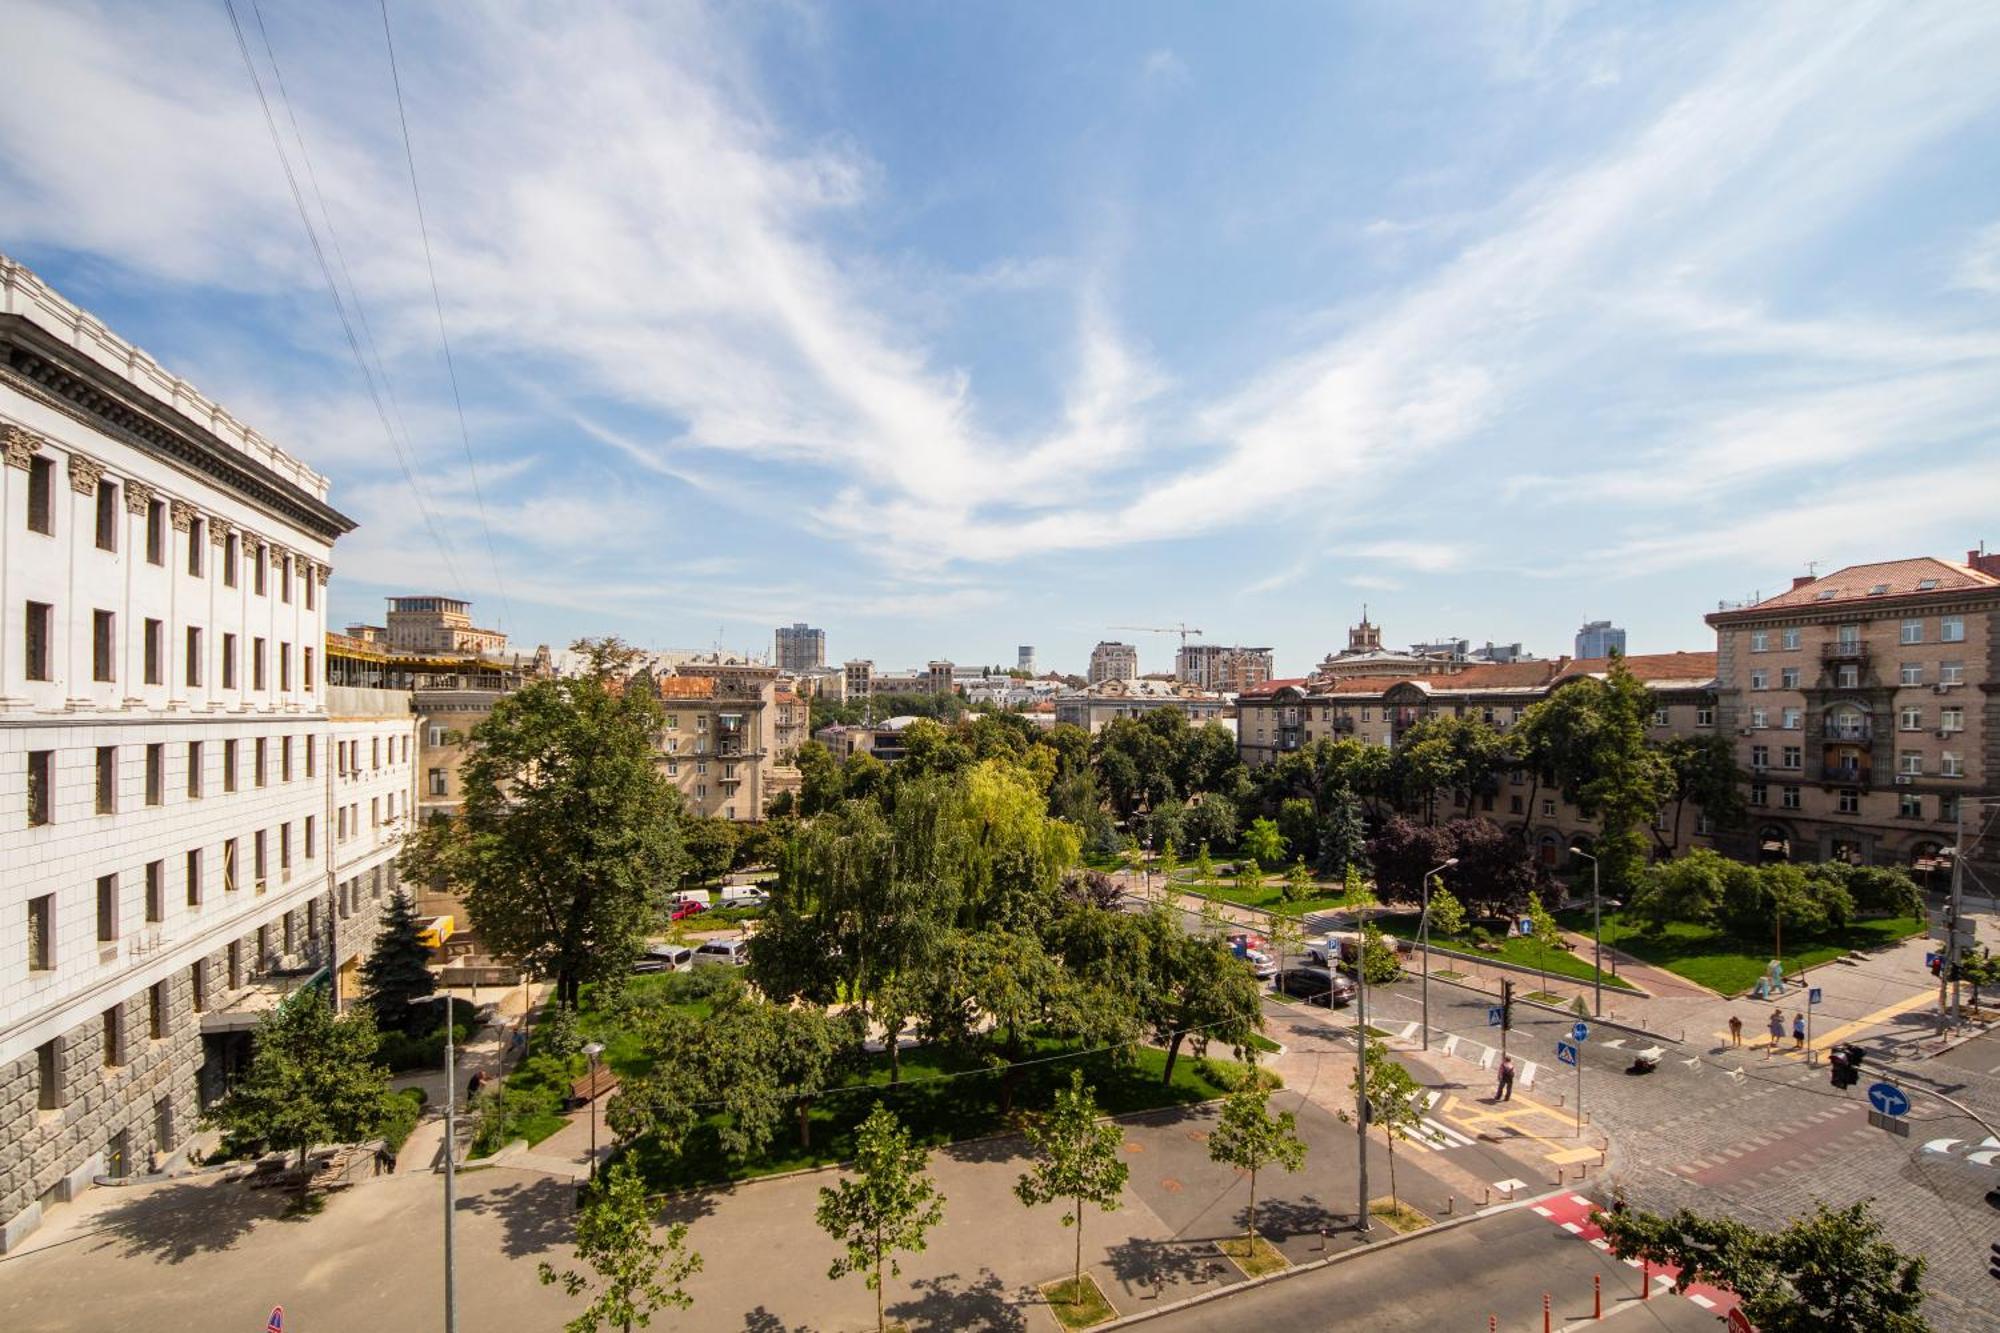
(1812, 568)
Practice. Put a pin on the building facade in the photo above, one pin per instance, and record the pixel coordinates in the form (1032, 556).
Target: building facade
(437, 625)
(1599, 638)
(1094, 706)
(719, 743)
(1865, 708)
(163, 748)
(1111, 660)
(800, 647)
(1024, 658)
(372, 801)
(857, 679)
(1222, 668)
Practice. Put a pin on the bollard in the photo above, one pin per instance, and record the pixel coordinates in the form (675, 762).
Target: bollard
(1322, 1238)
(1548, 1325)
(1493, 1323)
(1486, 1197)
(1597, 1295)
(1447, 1205)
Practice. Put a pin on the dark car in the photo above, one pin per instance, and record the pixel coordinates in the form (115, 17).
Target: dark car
(1315, 985)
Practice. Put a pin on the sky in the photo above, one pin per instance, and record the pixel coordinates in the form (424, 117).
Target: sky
(950, 328)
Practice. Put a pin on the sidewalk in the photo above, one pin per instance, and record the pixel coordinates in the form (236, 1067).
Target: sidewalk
(486, 1049)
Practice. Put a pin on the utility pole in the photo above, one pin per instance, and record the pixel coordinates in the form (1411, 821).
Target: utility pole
(1361, 1077)
(1952, 916)
(1506, 1012)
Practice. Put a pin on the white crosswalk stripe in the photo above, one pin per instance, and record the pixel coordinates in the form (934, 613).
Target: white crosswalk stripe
(1434, 1134)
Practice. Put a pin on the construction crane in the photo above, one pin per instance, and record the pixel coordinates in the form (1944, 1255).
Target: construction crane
(1183, 629)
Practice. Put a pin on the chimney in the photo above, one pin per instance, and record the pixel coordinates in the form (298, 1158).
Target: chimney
(1984, 563)
(1801, 580)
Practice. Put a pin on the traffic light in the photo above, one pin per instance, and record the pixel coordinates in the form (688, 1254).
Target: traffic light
(1506, 1005)
(1993, 1259)
(1845, 1063)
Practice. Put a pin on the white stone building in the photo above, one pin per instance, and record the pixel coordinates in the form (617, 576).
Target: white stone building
(164, 807)
(372, 801)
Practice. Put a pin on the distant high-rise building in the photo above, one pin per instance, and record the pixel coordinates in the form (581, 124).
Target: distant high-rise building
(860, 678)
(1599, 638)
(1024, 658)
(1111, 660)
(801, 647)
(1215, 666)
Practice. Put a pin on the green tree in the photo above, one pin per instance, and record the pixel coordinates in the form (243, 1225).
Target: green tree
(1629, 778)
(1204, 866)
(1687, 889)
(1396, 1102)
(1249, 876)
(1548, 935)
(1447, 913)
(397, 971)
(885, 1207)
(1169, 865)
(1378, 956)
(1263, 842)
(1299, 884)
(312, 1079)
(1702, 770)
(569, 837)
(636, 1274)
(1298, 822)
(1343, 839)
(1080, 1161)
(1830, 1270)
(1249, 1138)
(1287, 937)
(1355, 895)
(711, 848)
(1212, 819)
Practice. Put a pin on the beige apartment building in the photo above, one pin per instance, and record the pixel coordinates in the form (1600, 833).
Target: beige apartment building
(1863, 708)
(1285, 715)
(719, 743)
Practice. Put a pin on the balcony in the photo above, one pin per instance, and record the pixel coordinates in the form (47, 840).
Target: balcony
(1343, 725)
(1290, 738)
(1842, 650)
(1842, 768)
(1848, 729)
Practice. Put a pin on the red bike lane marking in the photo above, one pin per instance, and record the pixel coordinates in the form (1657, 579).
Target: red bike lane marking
(1572, 1213)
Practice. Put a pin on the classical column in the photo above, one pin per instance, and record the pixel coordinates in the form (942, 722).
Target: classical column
(84, 474)
(132, 628)
(183, 516)
(21, 447)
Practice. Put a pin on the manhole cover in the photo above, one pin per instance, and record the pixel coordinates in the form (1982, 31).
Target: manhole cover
(1132, 1147)
(1170, 1185)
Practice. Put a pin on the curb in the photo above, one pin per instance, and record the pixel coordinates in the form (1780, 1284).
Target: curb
(1634, 1028)
(1320, 1265)
(1626, 989)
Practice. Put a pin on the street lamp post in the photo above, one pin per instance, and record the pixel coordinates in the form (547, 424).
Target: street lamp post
(1424, 935)
(450, 1157)
(593, 1049)
(1596, 929)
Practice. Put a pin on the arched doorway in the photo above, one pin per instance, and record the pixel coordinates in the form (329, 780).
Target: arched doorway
(1774, 843)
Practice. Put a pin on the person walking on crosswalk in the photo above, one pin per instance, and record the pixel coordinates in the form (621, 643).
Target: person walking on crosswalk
(1798, 1031)
(1735, 1030)
(1777, 1027)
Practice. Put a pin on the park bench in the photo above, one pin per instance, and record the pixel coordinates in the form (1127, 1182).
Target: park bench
(597, 1083)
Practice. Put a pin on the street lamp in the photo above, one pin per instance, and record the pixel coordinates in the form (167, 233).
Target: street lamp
(450, 1157)
(593, 1049)
(1596, 929)
(1424, 935)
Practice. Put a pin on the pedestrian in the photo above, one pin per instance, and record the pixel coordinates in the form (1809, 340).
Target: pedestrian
(1777, 1027)
(473, 1085)
(1505, 1091)
(1798, 1031)
(1735, 1030)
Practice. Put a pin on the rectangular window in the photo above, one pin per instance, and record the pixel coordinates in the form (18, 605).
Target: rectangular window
(1912, 631)
(1791, 639)
(285, 584)
(312, 585)
(262, 754)
(198, 984)
(1793, 756)
(1760, 680)
(1951, 629)
(1951, 719)
(256, 664)
(156, 892)
(155, 650)
(1848, 677)
(312, 753)
(1788, 677)
(285, 850)
(1910, 673)
(1951, 765)
(229, 865)
(1951, 673)
(107, 909)
(41, 787)
(229, 766)
(1760, 756)
(234, 959)
(1788, 798)
(309, 671)
(194, 770)
(42, 933)
(1910, 719)
(374, 812)
(157, 1000)
(1850, 801)
(156, 532)
(284, 668)
(193, 674)
(437, 782)
(1704, 715)
(107, 779)
(1792, 719)
(375, 753)
(197, 533)
(312, 832)
(103, 646)
(1659, 717)
(262, 557)
(40, 635)
(107, 515)
(1548, 809)
(231, 552)
(229, 661)
(1760, 641)
(42, 496)
(114, 1036)
(1910, 761)
(285, 759)
(194, 885)
(261, 863)
(1759, 718)
(1759, 794)
(1948, 809)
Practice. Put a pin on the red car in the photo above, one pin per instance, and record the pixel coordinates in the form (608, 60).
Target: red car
(686, 908)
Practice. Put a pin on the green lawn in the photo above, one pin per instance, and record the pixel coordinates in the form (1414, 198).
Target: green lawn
(945, 1096)
(1268, 896)
(1513, 949)
(1708, 957)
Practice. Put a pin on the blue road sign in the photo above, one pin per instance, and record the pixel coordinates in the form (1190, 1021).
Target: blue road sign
(1930, 960)
(1527, 925)
(1494, 1014)
(1888, 1099)
(1566, 1052)
(1812, 996)
(1581, 1031)
(276, 1324)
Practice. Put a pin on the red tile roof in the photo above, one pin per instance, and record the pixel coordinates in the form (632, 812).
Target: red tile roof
(685, 687)
(1268, 688)
(1896, 578)
(1649, 666)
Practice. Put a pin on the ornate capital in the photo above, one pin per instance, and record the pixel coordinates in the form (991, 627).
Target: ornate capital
(84, 474)
(220, 530)
(138, 497)
(21, 444)
(183, 515)
(325, 573)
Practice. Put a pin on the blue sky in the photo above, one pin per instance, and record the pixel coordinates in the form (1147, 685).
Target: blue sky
(952, 327)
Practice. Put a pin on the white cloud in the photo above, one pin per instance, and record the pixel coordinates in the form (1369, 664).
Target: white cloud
(1979, 267)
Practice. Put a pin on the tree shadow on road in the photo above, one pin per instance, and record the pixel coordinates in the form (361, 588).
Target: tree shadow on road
(1280, 1220)
(1005, 1148)
(174, 1223)
(537, 1216)
(761, 1320)
(944, 1302)
(1142, 1265)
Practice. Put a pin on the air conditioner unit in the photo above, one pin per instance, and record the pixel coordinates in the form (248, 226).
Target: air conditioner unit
(1939, 688)
(1904, 779)
(1945, 733)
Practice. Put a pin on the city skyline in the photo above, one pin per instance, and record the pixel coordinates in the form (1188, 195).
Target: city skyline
(1528, 346)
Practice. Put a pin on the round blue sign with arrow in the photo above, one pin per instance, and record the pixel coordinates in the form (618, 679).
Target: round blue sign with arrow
(1888, 1099)
(1581, 1031)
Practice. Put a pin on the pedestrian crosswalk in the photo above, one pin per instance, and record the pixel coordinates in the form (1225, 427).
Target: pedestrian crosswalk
(1435, 1135)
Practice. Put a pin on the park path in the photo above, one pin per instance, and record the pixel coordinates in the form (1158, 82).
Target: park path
(486, 1050)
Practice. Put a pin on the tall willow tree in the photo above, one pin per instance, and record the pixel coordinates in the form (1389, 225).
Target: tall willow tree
(570, 835)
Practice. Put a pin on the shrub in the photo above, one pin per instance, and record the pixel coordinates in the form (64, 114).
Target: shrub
(406, 1106)
(403, 1052)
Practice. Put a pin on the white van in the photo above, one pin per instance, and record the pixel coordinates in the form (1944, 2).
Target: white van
(744, 895)
(702, 896)
(732, 952)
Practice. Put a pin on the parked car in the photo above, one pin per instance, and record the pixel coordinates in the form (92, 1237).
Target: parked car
(686, 908)
(744, 895)
(665, 958)
(1246, 948)
(1315, 985)
(702, 896)
(731, 952)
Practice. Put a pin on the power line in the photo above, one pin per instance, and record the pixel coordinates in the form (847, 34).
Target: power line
(437, 304)
(339, 307)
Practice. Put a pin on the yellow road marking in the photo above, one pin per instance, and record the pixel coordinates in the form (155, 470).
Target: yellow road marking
(1499, 1119)
(1832, 1036)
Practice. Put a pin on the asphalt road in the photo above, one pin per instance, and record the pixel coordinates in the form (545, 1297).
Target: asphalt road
(1517, 1257)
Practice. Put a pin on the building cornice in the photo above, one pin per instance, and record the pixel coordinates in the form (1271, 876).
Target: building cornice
(1857, 608)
